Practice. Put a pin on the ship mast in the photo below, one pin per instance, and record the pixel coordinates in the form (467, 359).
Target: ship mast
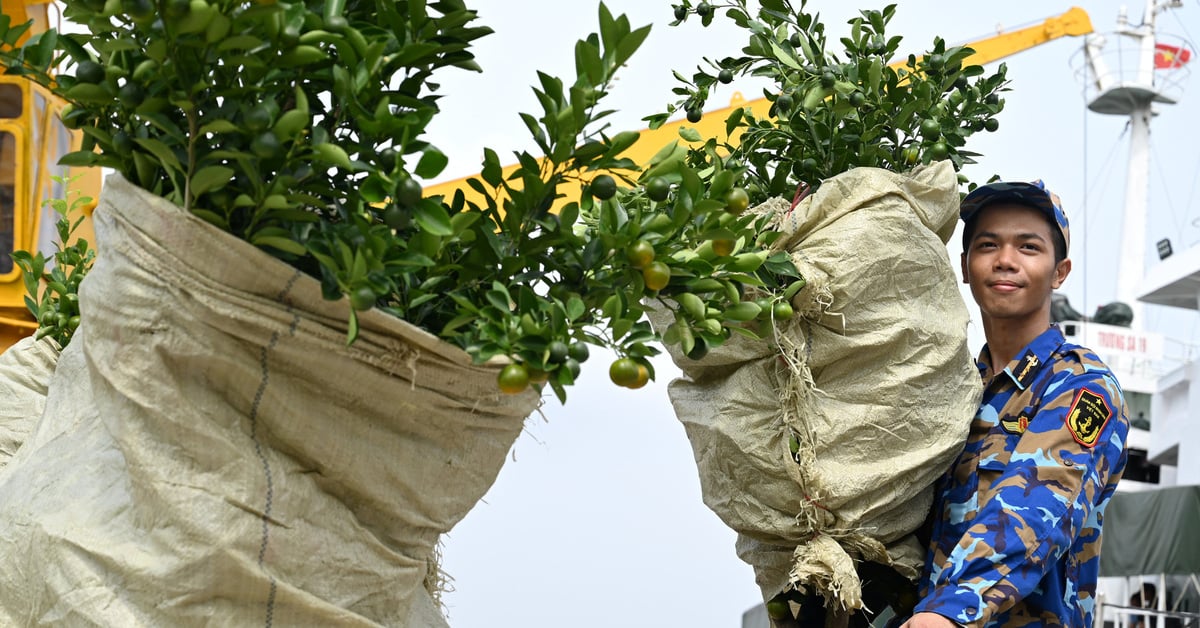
(1131, 94)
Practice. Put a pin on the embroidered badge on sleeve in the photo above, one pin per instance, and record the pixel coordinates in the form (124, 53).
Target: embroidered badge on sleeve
(1087, 417)
(1017, 425)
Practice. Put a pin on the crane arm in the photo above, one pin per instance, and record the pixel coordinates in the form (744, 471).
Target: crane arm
(1074, 22)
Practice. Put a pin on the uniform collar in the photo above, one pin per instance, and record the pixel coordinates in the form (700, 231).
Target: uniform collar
(1024, 368)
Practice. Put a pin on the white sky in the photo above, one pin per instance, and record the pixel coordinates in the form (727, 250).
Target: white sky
(596, 520)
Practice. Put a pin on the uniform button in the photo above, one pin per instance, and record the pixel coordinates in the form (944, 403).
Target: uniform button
(971, 611)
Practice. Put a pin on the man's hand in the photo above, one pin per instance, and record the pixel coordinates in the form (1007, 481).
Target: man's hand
(928, 620)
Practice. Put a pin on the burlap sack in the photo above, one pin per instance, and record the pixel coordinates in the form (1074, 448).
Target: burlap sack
(872, 381)
(25, 370)
(213, 454)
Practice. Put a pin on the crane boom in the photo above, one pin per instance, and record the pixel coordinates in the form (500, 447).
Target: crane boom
(1075, 22)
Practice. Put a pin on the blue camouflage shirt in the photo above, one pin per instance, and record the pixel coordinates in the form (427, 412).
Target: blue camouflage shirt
(1017, 519)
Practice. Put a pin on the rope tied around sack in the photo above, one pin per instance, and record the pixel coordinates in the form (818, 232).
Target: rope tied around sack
(824, 559)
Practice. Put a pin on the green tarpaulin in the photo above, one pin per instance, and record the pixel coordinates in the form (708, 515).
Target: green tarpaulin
(1152, 532)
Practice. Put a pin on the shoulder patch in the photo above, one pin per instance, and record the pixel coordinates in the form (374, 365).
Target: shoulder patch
(1087, 417)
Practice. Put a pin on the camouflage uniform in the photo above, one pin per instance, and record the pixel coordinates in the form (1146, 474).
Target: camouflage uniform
(1016, 525)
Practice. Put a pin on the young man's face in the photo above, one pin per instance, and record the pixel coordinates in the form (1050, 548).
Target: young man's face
(1009, 263)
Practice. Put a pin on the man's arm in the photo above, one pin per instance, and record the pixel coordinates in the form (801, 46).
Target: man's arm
(928, 620)
(1033, 505)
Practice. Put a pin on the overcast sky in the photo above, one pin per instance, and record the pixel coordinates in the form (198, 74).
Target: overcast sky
(596, 520)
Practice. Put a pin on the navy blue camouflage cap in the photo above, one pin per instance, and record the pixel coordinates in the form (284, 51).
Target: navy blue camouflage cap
(1032, 194)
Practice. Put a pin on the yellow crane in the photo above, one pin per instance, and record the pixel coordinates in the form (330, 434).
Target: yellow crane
(33, 139)
(1075, 22)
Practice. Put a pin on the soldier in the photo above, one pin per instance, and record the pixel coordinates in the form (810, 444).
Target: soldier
(1017, 519)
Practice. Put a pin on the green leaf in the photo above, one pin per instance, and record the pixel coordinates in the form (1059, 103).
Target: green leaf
(721, 183)
(536, 131)
(274, 202)
(14, 33)
(456, 322)
(807, 48)
(425, 298)
(79, 158)
(621, 327)
(432, 218)
(687, 340)
(733, 120)
(785, 57)
(42, 54)
(123, 44)
(492, 172)
(589, 151)
(669, 159)
(793, 288)
(671, 336)
(588, 63)
(629, 44)
(477, 185)
(875, 75)
(210, 178)
(844, 87)
(431, 164)
(283, 244)
(744, 311)
(720, 233)
(562, 376)
(463, 303)
(240, 42)
(160, 151)
(656, 121)
(219, 126)
(212, 218)
(88, 94)
(415, 259)
(498, 299)
(463, 221)
(568, 214)
(333, 155)
(612, 307)
(689, 134)
(358, 270)
(72, 47)
(738, 329)
(575, 308)
(352, 330)
(622, 141)
(167, 126)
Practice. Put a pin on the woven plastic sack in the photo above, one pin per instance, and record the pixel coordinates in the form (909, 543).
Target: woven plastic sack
(213, 454)
(25, 370)
(872, 384)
